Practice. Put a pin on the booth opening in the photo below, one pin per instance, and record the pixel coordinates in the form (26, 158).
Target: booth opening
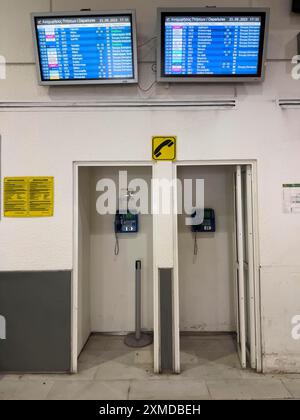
(115, 251)
(216, 272)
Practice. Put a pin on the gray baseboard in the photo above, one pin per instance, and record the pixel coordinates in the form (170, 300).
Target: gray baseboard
(36, 307)
(166, 319)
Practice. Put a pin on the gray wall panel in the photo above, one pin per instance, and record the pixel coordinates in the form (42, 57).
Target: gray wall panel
(37, 309)
(166, 318)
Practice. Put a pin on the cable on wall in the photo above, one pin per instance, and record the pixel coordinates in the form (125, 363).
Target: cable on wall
(196, 248)
(117, 245)
(148, 88)
(288, 103)
(143, 44)
(153, 68)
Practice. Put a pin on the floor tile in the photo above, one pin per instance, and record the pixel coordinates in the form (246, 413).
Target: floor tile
(252, 374)
(221, 358)
(118, 370)
(225, 344)
(97, 357)
(89, 390)
(212, 365)
(24, 390)
(10, 376)
(264, 388)
(108, 369)
(168, 390)
(8, 388)
(116, 343)
(85, 371)
(209, 371)
(46, 377)
(144, 357)
(293, 386)
(188, 357)
(128, 355)
(288, 375)
(96, 342)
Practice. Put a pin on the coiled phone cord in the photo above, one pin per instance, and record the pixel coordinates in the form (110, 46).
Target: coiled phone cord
(195, 245)
(117, 245)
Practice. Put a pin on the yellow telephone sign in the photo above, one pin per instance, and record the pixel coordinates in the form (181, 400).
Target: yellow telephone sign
(164, 148)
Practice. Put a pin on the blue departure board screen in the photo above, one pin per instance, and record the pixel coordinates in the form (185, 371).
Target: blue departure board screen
(213, 45)
(85, 48)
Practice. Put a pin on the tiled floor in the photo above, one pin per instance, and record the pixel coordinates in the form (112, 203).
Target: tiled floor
(110, 370)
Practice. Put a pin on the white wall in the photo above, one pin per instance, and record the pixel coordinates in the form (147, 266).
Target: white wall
(206, 281)
(280, 301)
(113, 277)
(84, 313)
(47, 142)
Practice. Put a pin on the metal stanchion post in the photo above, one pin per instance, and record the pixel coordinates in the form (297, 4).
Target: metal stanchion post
(138, 338)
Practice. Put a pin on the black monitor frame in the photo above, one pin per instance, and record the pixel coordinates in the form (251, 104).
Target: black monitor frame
(264, 13)
(102, 81)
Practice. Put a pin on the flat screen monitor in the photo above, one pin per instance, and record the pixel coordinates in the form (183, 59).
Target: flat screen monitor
(212, 44)
(85, 47)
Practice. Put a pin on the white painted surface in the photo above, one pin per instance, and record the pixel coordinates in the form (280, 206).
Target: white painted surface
(206, 282)
(16, 25)
(284, 27)
(240, 238)
(15, 28)
(2, 328)
(47, 142)
(164, 225)
(280, 291)
(112, 277)
(163, 206)
(250, 267)
(84, 289)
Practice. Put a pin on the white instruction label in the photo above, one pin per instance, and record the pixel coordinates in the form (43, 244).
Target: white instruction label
(291, 198)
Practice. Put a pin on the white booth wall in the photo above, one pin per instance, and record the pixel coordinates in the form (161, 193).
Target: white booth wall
(107, 281)
(113, 277)
(206, 280)
(84, 253)
(48, 141)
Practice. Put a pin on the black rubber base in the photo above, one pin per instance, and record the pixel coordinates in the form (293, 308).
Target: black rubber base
(131, 341)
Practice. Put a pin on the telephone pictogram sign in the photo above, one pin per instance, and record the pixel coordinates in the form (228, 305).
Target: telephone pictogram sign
(164, 148)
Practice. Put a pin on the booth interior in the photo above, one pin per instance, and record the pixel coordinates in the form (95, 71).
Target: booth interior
(207, 298)
(209, 289)
(106, 281)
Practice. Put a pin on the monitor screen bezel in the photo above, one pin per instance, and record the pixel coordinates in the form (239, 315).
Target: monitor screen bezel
(66, 82)
(259, 77)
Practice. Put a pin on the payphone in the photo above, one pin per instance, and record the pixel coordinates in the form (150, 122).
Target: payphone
(125, 222)
(208, 225)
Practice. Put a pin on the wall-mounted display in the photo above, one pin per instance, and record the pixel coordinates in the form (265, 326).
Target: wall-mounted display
(85, 47)
(212, 44)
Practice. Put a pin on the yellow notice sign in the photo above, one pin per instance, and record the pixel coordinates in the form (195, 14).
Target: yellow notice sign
(29, 197)
(164, 148)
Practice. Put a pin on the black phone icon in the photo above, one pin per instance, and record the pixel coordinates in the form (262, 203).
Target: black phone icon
(166, 143)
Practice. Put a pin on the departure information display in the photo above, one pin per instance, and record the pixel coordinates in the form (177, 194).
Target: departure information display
(212, 45)
(85, 48)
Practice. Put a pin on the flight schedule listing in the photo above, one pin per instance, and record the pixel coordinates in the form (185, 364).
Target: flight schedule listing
(212, 45)
(85, 48)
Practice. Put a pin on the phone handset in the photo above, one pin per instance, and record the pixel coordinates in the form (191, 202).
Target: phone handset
(166, 143)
